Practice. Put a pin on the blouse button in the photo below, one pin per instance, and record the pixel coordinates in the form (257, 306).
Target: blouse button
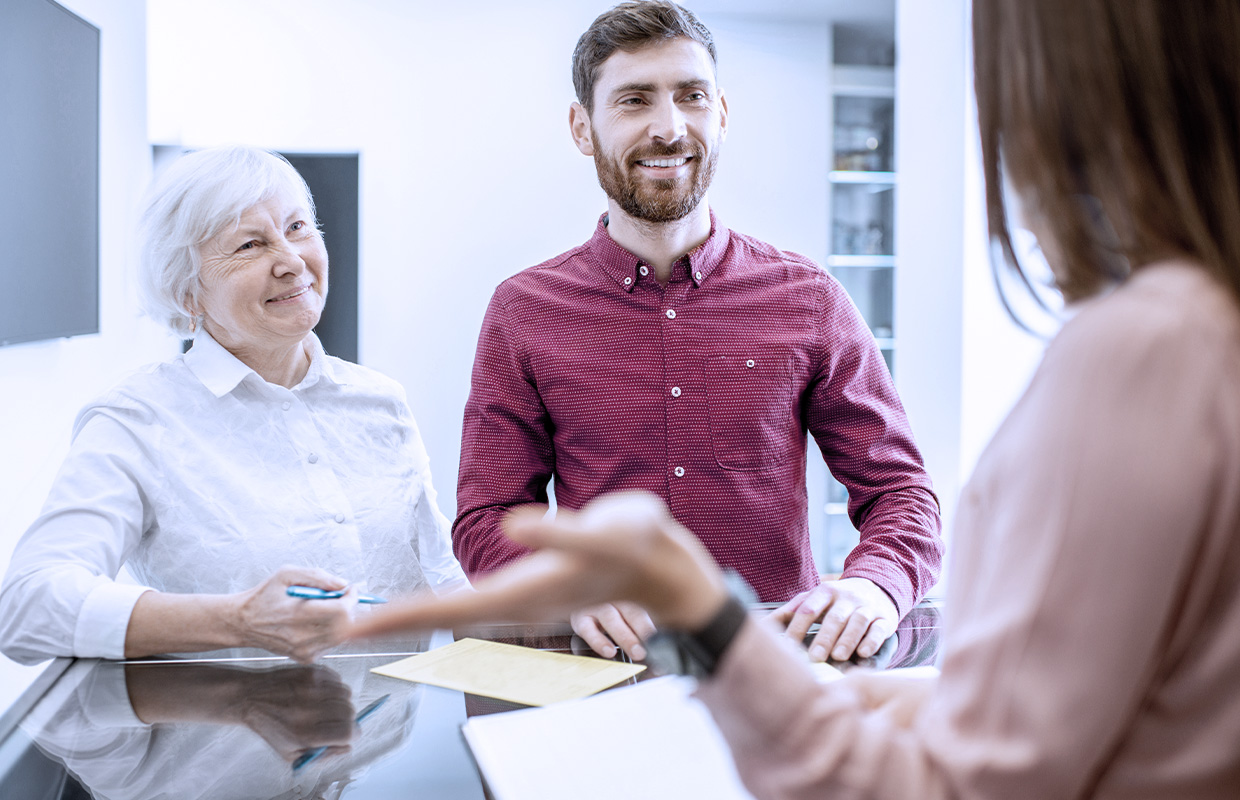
(314, 458)
(680, 472)
(675, 391)
(671, 313)
(340, 518)
(286, 405)
(644, 270)
(628, 281)
(697, 275)
(749, 363)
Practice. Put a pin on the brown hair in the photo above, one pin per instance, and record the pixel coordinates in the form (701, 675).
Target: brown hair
(630, 27)
(1120, 121)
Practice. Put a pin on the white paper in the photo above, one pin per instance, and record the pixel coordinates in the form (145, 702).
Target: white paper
(651, 741)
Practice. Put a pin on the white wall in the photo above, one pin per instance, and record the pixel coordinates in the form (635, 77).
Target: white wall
(45, 383)
(962, 362)
(468, 170)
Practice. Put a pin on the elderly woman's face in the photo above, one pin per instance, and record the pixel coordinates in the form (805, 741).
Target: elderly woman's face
(264, 283)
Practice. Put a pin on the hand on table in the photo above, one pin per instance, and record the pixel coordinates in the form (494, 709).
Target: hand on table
(856, 616)
(619, 547)
(607, 625)
(298, 628)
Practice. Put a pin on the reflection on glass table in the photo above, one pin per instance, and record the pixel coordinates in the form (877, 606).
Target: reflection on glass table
(234, 726)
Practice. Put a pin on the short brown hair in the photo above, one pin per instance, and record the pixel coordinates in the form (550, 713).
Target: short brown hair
(630, 27)
(1120, 120)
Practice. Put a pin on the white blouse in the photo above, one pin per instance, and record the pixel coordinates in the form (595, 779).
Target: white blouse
(201, 477)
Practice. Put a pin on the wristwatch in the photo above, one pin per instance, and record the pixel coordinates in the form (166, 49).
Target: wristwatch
(697, 653)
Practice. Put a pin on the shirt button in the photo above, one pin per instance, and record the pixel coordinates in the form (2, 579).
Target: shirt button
(697, 275)
(675, 391)
(314, 458)
(340, 518)
(671, 313)
(749, 363)
(644, 270)
(286, 405)
(680, 472)
(628, 281)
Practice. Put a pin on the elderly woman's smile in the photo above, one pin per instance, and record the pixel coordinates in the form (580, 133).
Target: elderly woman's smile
(263, 282)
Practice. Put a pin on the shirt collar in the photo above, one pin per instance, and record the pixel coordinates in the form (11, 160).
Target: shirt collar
(620, 264)
(221, 372)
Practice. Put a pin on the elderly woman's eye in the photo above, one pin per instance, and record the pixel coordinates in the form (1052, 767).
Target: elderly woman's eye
(250, 245)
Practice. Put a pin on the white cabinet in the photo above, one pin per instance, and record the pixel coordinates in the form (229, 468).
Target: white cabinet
(862, 238)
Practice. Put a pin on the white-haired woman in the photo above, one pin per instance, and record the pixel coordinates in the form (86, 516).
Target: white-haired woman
(249, 464)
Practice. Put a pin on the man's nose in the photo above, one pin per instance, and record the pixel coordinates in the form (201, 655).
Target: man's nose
(668, 124)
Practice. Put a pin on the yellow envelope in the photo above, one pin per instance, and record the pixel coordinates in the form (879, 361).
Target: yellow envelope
(510, 672)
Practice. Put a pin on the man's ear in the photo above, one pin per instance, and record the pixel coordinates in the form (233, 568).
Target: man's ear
(723, 116)
(579, 126)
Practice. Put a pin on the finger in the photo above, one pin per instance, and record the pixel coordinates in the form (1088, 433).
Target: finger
(621, 632)
(809, 611)
(854, 630)
(588, 628)
(638, 619)
(783, 615)
(832, 625)
(880, 630)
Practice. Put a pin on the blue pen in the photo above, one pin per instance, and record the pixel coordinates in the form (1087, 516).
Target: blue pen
(315, 593)
(308, 756)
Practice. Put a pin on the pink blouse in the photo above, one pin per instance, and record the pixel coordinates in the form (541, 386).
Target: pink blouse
(1092, 640)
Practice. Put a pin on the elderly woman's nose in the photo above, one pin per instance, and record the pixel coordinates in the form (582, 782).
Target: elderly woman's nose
(288, 259)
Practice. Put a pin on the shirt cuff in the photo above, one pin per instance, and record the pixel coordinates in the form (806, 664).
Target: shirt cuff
(104, 620)
(108, 705)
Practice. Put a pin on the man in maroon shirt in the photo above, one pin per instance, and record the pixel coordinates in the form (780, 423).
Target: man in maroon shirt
(671, 354)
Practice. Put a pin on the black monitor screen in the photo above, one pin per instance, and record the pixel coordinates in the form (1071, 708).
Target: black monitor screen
(49, 172)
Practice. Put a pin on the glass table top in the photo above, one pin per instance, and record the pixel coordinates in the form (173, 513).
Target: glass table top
(244, 724)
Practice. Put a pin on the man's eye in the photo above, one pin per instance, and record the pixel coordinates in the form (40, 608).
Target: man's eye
(631, 101)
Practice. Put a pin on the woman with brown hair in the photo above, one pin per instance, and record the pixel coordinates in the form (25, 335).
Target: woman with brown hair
(1093, 634)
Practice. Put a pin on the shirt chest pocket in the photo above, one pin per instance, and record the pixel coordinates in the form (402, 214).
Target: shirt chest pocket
(754, 423)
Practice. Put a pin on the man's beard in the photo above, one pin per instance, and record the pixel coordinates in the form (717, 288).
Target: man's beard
(659, 200)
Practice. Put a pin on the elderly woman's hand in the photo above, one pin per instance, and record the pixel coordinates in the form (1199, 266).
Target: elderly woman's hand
(619, 547)
(301, 629)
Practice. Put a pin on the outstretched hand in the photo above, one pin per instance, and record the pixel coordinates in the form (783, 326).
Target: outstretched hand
(621, 547)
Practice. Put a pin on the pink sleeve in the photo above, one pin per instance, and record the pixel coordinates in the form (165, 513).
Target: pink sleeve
(1090, 566)
(795, 738)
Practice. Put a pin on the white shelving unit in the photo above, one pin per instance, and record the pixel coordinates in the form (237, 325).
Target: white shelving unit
(862, 255)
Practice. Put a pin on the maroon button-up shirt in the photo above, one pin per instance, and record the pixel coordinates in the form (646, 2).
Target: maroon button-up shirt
(700, 392)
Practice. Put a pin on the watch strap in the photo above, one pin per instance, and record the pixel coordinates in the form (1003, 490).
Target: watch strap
(707, 646)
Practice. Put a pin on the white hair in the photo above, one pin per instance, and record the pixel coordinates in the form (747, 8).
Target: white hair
(192, 200)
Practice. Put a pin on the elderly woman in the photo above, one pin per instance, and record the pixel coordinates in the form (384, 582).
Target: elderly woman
(253, 462)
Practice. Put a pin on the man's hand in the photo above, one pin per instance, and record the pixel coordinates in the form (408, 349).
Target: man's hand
(856, 617)
(610, 624)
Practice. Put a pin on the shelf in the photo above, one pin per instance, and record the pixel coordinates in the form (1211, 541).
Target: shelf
(869, 262)
(852, 176)
(857, 81)
(885, 344)
(835, 509)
